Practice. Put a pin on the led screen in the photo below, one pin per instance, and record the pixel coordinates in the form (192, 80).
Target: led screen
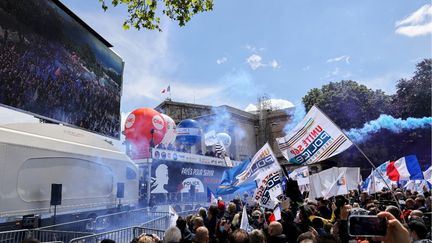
(56, 68)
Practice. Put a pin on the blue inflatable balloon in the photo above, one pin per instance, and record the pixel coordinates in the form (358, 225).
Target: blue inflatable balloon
(188, 132)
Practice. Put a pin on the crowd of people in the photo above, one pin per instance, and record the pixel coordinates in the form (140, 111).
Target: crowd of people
(408, 220)
(46, 78)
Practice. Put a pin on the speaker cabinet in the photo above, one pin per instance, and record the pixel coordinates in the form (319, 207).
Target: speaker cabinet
(120, 190)
(56, 194)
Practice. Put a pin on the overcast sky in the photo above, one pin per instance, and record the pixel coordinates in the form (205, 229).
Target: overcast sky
(243, 49)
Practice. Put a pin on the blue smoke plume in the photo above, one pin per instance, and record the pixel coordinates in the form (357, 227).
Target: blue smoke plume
(395, 125)
(297, 114)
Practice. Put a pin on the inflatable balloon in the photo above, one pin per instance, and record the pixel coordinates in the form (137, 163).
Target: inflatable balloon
(224, 138)
(171, 131)
(188, 132)
(141, 123)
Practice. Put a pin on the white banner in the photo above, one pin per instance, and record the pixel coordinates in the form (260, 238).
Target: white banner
(262, 164)
(162, 154)
(334, 181)
(268, 189)
(301, 175)
(314, 139)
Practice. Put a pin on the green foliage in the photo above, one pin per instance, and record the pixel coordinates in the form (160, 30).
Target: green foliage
(348, 103)
(413, 96)
(144, 13)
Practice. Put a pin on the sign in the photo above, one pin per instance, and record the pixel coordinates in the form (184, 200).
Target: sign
(314, 139)
(162, 154)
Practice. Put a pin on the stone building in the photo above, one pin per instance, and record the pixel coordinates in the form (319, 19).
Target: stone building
(249, 131)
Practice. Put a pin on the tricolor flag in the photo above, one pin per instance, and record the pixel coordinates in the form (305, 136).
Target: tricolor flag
(276, 215)
(211, 197)
(166, 90)
(428, 175)
(314, 139)
(405, 168)
(391, 172)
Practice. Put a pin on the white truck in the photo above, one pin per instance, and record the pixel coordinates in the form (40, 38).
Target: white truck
(35, 155)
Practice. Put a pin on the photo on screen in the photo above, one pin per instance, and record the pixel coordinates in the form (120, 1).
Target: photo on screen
(56, 68)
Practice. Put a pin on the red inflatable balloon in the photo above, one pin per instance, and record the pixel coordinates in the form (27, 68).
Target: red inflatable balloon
(141, 123)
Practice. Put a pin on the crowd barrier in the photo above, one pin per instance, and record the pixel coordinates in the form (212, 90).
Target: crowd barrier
(83, 225)
(14, 236)
(57, 235)
(125, 235)
(125, 219)
(88, 229)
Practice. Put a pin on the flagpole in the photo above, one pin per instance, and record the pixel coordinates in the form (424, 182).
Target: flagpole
(367, 158)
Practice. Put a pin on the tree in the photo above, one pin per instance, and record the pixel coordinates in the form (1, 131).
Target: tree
(348, 103)
(143, 13)
(413, 96)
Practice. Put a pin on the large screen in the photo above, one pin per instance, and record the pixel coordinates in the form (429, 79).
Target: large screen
(55, 67)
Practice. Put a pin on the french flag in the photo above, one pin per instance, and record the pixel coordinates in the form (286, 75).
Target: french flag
(211, 197)
(405, 168)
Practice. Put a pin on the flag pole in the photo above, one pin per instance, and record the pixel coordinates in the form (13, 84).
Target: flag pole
(364, 155)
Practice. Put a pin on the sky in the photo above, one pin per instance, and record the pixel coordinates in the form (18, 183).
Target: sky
(244, 49)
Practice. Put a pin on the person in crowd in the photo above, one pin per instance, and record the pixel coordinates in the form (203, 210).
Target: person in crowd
(202, 212)
(211, 220)
(202, 235)
(186, 235)
(172, 235)
(420, 203)
(394, 211)
(275, 232)
(239, 236)
(257, 236)
(307, 237)
(148, 238)
(418, 231)
(197, 222)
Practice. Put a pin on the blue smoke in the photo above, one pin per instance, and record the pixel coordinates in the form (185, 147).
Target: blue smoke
(297, 114)
(395, 125)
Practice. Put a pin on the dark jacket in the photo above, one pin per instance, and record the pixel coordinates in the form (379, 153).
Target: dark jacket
(278, 239)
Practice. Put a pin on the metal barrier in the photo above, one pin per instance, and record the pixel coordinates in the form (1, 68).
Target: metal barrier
(57, 235)
(125, 235)
(125, 219)
(160, 223)
(83, 225)
(14, 236)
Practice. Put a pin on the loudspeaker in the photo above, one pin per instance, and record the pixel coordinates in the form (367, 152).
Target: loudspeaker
(56, 194)
(120, 190)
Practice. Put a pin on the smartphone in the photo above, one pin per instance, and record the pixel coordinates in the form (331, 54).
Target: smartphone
(367, 225)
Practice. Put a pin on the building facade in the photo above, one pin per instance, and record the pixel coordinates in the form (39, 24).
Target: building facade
(249, 131)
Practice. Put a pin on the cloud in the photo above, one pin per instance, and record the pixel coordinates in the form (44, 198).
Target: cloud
(254, 61)
(386, 82)
(274, 64)
(276, 104)
(253, 48)
(221, 60)
(416, 24)
(338, 59)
